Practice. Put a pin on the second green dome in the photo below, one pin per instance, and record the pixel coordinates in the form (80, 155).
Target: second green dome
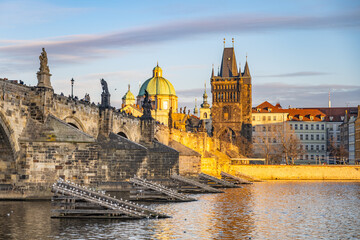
(157, 85)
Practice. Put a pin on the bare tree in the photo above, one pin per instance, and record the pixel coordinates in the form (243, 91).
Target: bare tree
(290, 145)
(339, 153)
(267, 143)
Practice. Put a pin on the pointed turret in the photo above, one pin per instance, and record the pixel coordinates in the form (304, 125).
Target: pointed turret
(246, 69)
(205, 103)
(239, 69)
(212, 72)
(196, 111)
(228, 63)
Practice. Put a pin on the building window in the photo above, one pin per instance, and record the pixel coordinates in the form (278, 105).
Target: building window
(307, 147)
(317, 147)
(306, 157)
(338, 138)
(264, 118)
(269, 118)
(322, 137)
(291, 127)
(258, 118)
(274, 118)
(253, 118)
(323, 147)
(301, 127)
(312, 137)
(306, 137)
(205, 115)
(317, 137)
(226, 113)
(322, 157)
(312, 157)
(254, 129)
(296, 126)
(269, 128)
(274, 140)
(264, 129)
(301, 137)
(306, 127)
(322, 127)
(317, 127)
(312, 127)
(311, 147)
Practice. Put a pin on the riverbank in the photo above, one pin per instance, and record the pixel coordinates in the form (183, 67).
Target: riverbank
(282, 172)
(298, 172)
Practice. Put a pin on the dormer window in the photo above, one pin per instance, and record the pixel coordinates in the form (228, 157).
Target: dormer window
(269, 109)
(301, 118)
(342, 118)
(290, 117)
(311, 118)
(322, 118)
(331, 118)
(258, 109)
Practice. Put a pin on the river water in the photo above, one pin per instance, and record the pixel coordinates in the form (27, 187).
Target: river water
(266, 210)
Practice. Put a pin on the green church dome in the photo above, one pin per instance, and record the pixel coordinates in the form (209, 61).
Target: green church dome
(128, 95)
(157, 85)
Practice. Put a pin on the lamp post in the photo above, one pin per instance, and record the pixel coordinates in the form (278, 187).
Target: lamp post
(72, 87)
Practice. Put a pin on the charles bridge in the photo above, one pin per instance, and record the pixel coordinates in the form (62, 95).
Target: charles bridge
(44, 135)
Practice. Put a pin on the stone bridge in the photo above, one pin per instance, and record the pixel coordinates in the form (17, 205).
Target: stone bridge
(44, 135)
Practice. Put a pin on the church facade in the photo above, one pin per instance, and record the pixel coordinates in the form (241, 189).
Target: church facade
(231, 101)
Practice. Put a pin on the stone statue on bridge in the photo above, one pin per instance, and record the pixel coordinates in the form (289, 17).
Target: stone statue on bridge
(105, 95)
(44, 68)
(104, 86)
(146, 105)
(43, 74)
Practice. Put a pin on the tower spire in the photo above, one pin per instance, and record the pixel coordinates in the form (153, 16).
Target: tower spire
(224, 42)
(205, 96)
(246, 69)
(212, 72)
(329, 100)
(233, 42)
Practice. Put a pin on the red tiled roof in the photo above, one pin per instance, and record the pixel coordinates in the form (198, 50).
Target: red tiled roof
(337, 112)
(265, 106)
(296, 114)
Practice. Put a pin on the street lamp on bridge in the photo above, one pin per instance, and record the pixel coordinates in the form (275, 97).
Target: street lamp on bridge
(72, 87)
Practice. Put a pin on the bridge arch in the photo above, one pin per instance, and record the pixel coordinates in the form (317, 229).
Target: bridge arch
(8, 149)
(227, 134)
(75, 122)
(126, 132)
(123, 134)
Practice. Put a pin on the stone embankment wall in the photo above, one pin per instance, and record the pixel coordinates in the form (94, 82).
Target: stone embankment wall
(301, 172)
(215, 154)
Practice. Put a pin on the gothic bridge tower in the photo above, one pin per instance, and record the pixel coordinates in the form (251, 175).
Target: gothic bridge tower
(231, 101)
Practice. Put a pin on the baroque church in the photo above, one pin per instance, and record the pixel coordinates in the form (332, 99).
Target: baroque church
(161, 93)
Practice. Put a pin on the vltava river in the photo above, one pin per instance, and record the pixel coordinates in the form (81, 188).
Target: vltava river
(267, 210)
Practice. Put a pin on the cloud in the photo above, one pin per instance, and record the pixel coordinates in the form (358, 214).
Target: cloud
(287, 94)
(94, 46)
(306, 95)
(295, 74)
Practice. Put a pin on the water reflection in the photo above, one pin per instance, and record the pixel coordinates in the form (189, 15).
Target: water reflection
(269, 210)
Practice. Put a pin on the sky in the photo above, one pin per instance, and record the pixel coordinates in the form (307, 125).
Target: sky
(298, 51)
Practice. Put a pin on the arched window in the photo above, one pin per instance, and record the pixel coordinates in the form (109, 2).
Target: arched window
(205, 115)
(226, 113)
